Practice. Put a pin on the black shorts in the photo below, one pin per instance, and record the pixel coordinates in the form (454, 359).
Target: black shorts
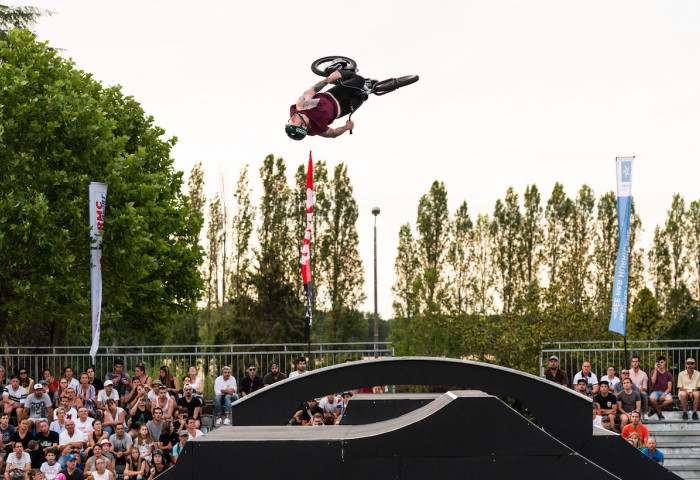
(349, 92)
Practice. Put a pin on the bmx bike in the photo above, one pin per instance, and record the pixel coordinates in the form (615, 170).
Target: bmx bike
(375, 87)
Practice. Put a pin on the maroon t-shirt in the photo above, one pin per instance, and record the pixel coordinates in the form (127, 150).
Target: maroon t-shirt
(321, 115)
(662, 380)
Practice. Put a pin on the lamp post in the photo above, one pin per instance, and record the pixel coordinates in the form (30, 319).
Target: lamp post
(375, 212)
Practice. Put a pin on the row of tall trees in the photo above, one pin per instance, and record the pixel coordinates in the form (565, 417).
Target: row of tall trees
(252, 274)
(533, 271)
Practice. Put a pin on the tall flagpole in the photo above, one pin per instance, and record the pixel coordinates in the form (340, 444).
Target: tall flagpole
(306, 253)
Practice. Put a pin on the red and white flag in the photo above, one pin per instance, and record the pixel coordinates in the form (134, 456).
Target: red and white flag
(98, 202)
(306, 248)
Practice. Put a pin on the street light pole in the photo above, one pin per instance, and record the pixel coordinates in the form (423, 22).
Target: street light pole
(375, 212)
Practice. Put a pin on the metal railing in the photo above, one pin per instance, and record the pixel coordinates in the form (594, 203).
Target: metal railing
(207, 359)
(603, 354)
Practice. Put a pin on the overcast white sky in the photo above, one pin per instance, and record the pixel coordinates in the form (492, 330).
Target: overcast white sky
(511, 93)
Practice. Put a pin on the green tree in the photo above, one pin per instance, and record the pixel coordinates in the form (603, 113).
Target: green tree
(605, 252)
(406, 269)
(644, 320)
(556, 215)
(59, 130)
(531, 234)
(580, 227)
(24, 17)
(505, 232)
(458, 259)
(242, 226)
(481, 261)
(660, 266)
(215, 227)
(433, 225)
(674, 230)
(693, 243)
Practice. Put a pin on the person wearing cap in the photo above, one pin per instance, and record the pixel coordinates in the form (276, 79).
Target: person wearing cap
(37, 406)
(156, 386)
(159, 465)
(589, 376)
(689, 388)
(224, 393)
(274, 375)
(177, 449)
(555, 374)
(71, 470)
(108, 392)
(17, 463)
(119, 378)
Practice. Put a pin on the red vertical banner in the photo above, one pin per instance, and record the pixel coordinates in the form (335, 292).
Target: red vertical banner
(306, 248)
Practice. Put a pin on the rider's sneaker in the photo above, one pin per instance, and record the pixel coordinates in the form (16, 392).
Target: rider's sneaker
(338, 64)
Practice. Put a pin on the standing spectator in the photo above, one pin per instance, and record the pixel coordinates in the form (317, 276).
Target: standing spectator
(224, 392)
(36, 456)
(51, 382)
(191, 403)
(84, 422)
(169, 381)
(119, 378)
(661, 387)
(6, 432)
(607, 401)
(86, 394)
(71, 470)
(108, 392)
(301, 368)
(251, 382)
(274, 375)
(25, 381)
(13, 397)
(140, 373)
(652, 452)
(611, 378)
(555, 374)
(592, 380)
(114, 416)
(68, 375)
(636, 426)
(121, 445)
(94, 381)
(59, 425)
(72, 441)
(640, 379)
(630, 401)
(22, 435)
(195, 381)
(37, 406)
(155, 425)
(17, 464)
(689, 388)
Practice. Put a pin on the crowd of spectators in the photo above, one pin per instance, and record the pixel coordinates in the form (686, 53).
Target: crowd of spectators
(622, 404)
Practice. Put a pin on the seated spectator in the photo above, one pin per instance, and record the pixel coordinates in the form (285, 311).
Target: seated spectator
(346, 396)
(582, 388)
(140, 373)
(330, 405)
(144, 443)
(72, 441)
(661, 388)
(169, 381)
(71, 403)
(155, 425)
(135, 465)
(36, 456)
(597, 418)
(121, 444)
(6, 432)
(192, 379)
(50, 467)
(86, 394)
(95, 437)
(119, 378)
(51, 382)
(140, 416)
(591, 379)
(192, 430)
(48, 440)
(611, 378)
(636, 426)
(94, 381)
(159, 465)
(652, 452)
(607, 401)
(606, 424)
(318, 420)
(181, 422)
(379, 389)
(13, 397)
(304, 416)
(114, 416)
(154, 391)
(17, 463)
(71, 470)
(104, 395)
(59, 425)
(84, 422)
(625, 373)
(251, 382)
(25, 381)
(101, 472)
(224, 394)
(634, 436)
(688, 388)
(133, 394)
(68, 375)
(168, 439)
(91, 463)
(555, 374)
(274, 375)
(183, 436)
(60, 392)
(640, 378)
(22, 434)
(191, 403)
(629, 401)
(36, 474)
(165, 402)
(301, 368)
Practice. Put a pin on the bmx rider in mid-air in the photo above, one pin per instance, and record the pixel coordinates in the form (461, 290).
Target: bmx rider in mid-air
(314, 111)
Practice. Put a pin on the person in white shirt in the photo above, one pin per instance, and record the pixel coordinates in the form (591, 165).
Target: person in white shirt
(104, 395)
(17, 463)
(84, 423)
(301, 368)
(13, 397)
(50, 467)
(68, 375)
(330, 404)
(70, 441)
(192, 429)
(592, 385)
(611, 378)
(225, 392)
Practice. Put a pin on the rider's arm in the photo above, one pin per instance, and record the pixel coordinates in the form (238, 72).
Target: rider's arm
(317, 87)
(334, 132)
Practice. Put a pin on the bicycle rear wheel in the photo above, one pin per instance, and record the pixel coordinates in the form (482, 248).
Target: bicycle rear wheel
(386, 86)
(319, 66)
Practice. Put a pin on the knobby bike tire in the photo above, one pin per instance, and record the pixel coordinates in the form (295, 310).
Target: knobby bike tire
(386, 86)
(316, 65)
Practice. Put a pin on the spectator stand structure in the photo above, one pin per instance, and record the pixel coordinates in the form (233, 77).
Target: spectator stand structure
(461, 434)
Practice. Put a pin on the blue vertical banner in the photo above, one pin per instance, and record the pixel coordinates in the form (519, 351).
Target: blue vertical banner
(618, 315)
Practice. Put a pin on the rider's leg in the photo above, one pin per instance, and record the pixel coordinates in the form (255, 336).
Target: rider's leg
(350, 93)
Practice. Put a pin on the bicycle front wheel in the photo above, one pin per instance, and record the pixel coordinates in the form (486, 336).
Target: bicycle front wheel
(386, 86)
